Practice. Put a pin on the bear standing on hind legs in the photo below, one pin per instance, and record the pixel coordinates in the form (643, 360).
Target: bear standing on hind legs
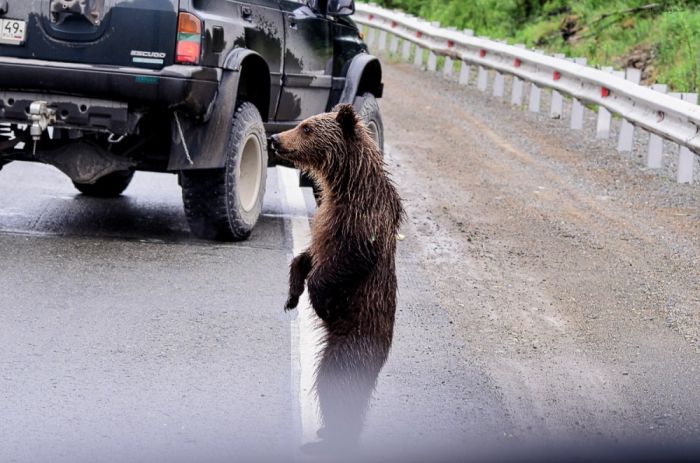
(349, 269)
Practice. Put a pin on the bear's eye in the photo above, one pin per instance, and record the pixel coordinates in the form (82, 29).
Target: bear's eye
(306, 129)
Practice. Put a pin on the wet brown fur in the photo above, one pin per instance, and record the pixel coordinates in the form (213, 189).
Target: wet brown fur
(349, 268)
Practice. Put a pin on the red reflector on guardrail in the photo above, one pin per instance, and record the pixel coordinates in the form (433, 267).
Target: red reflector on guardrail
(419, 34)
(556, 75)
(450, 44)
(482, 53)
(370, 17)
(517, 63)
(394, 24)
(604, 92)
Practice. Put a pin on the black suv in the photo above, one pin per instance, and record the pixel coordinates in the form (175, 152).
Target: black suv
(102, 88)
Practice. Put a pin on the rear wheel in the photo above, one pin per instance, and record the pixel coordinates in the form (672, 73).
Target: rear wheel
(109, 186)
(225, 204)
(370, 115)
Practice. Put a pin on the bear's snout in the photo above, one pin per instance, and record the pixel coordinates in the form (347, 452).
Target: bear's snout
(278, 147)
(275, 142)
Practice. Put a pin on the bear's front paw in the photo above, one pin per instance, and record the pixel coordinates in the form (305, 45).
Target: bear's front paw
(292, 302)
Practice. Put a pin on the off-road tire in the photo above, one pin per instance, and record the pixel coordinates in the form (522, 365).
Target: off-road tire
(109, 186)
(370, 115)
(225, 204)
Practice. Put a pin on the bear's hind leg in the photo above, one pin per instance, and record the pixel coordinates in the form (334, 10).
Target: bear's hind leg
(345, 381)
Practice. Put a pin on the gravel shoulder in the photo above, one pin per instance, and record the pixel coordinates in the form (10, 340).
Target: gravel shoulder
(570, 273)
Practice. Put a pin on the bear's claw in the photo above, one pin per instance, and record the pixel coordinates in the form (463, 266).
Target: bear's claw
(292, 303)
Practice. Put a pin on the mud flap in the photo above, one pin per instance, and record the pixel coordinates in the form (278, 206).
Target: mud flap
(205, 141)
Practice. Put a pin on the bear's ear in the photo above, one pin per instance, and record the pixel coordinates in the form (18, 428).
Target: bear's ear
(347, 119)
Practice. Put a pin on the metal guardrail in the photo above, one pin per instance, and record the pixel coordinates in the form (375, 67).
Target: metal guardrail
(658, 113)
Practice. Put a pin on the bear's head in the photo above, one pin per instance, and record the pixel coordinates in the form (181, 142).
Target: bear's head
(322, 144)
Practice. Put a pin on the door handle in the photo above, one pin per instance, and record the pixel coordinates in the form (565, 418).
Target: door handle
(292, 21)
(247, 13)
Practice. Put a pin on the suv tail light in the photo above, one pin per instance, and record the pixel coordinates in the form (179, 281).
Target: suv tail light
(189, 39)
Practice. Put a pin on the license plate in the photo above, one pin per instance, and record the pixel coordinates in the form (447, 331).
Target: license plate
(12, 31)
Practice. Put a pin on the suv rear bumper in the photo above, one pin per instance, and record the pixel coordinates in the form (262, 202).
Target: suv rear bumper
(191, 88)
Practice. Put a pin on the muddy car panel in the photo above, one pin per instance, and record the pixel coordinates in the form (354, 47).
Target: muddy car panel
(120, 53)
(138, 33)
(308, 62)
(257, 26)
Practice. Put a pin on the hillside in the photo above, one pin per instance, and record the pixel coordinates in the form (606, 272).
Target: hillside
(660, 37)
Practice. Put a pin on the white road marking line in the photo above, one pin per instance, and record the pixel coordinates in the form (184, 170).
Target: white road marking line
(306, 338)
(387, 152)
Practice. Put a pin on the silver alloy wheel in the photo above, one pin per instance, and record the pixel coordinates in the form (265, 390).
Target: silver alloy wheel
(373, 131)
(250, 172)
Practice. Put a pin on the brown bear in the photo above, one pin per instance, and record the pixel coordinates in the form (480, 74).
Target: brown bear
(349, 268)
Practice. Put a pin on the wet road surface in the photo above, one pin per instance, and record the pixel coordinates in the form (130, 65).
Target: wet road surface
(548, 294)
(123, 338)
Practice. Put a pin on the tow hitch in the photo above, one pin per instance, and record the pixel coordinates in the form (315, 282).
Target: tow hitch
(41, 117)
(92, 10)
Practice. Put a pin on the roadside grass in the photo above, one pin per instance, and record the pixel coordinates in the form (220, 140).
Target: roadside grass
(606, 32)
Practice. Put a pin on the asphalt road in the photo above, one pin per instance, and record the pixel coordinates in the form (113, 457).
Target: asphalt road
(548, 295)
(124, 339)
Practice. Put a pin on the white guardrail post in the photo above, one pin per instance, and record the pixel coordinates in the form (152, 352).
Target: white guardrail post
(382, 40)
(394, 47)
(418, 58)
(432, 57)
(626, 141)
(604, 116)
(482, 78)
(535, 97)
(557, 104)
(655, 150)
(660, 114)
(370, 36)
(466, 69)
(449, 64)
(405, 49)
(516, 93)
(577, 107)
(499, 85)
(686, 160)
